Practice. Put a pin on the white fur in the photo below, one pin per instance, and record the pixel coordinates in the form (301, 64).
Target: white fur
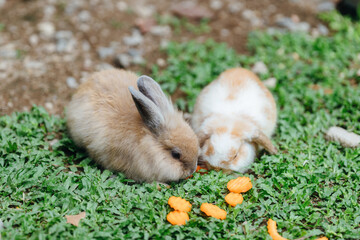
(214, 109)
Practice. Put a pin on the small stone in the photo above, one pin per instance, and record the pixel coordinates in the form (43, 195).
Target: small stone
(103, 66)
(224, 32)
(85, 46)
(295, 18)
(346, 139)
(302, 27)
(133, 40)
(190, 10)
(144, 11)
(8, 51)
(3, 65)
(71, 82)
(105, 52)
(270, 82)
(34, 39)
(138, 60)
(164, 43)
(84, 16)
(144, 24)
(46, 29)
(251, 16)
(64, 41)
(34, 65)
(216, 4)
(325, 6)
(123, 60)
(259, 68)
(49, 105)
(323, 30)
(358, 73)
(122, 6)
(160, 62)
(49, 11)
(235, 7)
(2, 3)
(134, 52)
(160, 31)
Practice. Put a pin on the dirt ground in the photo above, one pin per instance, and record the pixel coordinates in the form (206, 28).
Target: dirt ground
(48, 47)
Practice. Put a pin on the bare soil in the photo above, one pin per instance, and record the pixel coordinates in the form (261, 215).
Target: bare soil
(37, 73)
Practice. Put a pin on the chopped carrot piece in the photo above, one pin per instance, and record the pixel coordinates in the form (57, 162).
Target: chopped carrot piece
(239, 185)
(213, 211)
(234, 198)
(271, 226)
(179, 204)
(177, 217)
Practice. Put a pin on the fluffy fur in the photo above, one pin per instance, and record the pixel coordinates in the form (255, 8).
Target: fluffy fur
(233, 117)
(130, 130)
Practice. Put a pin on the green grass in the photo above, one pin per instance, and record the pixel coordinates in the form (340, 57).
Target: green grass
(311, 188)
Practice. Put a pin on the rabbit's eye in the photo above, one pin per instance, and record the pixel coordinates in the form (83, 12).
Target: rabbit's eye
(175, 153)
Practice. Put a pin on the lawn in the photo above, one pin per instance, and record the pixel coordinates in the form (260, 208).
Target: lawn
(311, 187)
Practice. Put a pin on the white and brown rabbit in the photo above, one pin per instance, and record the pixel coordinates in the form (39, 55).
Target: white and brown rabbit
(234, 116)
(127, 124)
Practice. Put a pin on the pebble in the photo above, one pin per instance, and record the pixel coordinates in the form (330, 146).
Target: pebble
(325, 6)
(161, 31)
(49, 105)
(259, 68)
(105, 52)
(49, 11)
(224, 32)
(85, 46)
(64, 41)
(3, 65)
(135, 38)
(30, 64)
(144, 10)
(288, 23)
(2, 3)
(84, 16)
(358, 73)
(216, 4)
(123, 60)
(103, 66)
(270, 82)
(251, 16)
(46, 29)
(71, 82)
(346, 138)
(34, 39)
(122, 6)
(145, 24)
(190, 10)
(8, 51)
(160, 62)
(323, 30)
(134, 52)
(235, 7)
(138, 60)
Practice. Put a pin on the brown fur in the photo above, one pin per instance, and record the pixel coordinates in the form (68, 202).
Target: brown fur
(103, 119)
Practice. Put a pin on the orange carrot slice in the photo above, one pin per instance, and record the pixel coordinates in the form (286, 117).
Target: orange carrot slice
(177, 217)
(234, 198)
(322, 238)
(179, 204)
(271, 226)
(239, 185)
(213, 211)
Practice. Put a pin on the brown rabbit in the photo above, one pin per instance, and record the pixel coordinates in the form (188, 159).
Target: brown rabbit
(127, 124)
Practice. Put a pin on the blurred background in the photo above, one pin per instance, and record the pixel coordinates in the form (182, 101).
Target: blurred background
(48, 47)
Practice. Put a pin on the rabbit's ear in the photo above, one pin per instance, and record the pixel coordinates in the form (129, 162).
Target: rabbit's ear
(261, 139)
(149, 112)
(151, 89)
